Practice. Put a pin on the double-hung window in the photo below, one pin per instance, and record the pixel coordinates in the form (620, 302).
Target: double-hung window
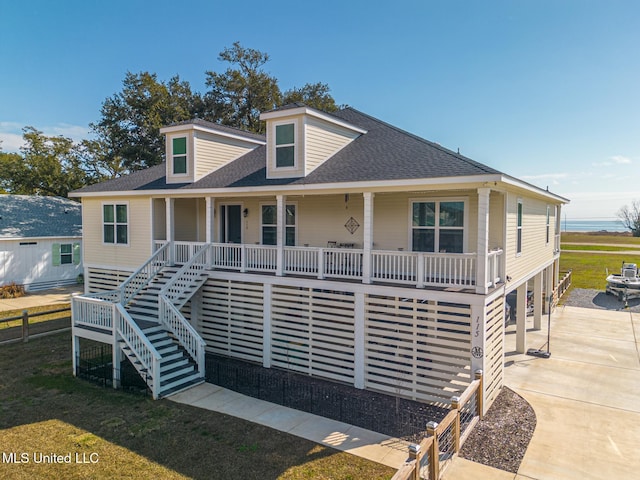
(519, 228)
(115, 224)
(285, 145)
(548, 224)
(269, 225)
(437, 226)
(179, 155)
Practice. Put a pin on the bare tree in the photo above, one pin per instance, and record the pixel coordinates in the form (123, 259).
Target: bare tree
(630, 217)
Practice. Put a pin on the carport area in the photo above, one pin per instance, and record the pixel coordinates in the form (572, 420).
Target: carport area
(586, 397)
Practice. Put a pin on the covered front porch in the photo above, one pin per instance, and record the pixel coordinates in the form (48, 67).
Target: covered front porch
(420, 239)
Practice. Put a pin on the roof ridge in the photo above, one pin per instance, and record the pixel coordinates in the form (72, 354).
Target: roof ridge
(424, 140)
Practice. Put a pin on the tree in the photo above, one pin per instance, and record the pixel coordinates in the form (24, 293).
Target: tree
(129, 130)
(314, 95)
(630, 217)
(238, 96)
(46, 166)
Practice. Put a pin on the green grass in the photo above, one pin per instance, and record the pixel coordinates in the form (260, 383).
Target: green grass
(589, 270)
(598, 248)
(596, 237)
(44, 409)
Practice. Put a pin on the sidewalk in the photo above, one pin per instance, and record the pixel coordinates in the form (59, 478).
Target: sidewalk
(43, 298)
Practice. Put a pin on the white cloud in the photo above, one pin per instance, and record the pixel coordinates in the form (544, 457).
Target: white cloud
(11, 133)
(614, 160)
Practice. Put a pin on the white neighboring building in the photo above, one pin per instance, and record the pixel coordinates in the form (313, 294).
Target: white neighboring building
(40, 241)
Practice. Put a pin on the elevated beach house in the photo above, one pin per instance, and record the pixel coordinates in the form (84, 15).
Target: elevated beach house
(40, 241)
(337, 246)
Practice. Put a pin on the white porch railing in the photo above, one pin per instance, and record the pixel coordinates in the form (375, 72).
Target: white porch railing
(192, 342)
(422, 269)
(90, 311)
(140, 346)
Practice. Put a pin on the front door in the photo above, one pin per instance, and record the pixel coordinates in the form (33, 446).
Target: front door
(231, 223)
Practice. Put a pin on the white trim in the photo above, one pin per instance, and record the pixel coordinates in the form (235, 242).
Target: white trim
(275, 204)
(312, 113)
(172, 165)
(191, 126)
(324, 188)
(219, 217)
(115, 243)
(274, 147)
(438, 200)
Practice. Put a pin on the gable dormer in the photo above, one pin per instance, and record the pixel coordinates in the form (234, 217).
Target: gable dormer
(300, 139)
(195, 149)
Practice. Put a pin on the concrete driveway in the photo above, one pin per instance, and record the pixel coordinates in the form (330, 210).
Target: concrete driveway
(586, 398)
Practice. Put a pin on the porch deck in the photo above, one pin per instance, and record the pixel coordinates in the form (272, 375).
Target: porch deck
(416, 269)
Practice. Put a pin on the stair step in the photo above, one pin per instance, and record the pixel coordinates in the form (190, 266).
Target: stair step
(176, 372)
(178, 380)
(180, 388)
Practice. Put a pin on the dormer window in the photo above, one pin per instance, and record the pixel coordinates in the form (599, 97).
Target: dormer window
(179, 156)
(285, 145)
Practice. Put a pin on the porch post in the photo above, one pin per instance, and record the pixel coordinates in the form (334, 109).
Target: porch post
(367, 237)
(170, 208)
(521, 318)
(483, 240)
(537, 301)
(478, 337)
(210, 203)
(280, 233)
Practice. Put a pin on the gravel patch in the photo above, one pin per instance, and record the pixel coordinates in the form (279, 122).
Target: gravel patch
(501, 438)
(590, 298)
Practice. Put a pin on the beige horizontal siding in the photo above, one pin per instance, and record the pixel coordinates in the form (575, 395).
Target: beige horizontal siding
(214, 151)
(322, 140)
(139, 230)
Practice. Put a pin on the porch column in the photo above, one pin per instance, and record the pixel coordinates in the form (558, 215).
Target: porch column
(280, 233)
(483, 240)
(538, 301)
(367, 237)
(479, 343)
(521, 318)
(210, 204)
(170, 209)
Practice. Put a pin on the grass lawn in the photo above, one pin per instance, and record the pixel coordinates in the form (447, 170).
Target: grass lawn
(599, 248)
(589, 267)
(45, 410)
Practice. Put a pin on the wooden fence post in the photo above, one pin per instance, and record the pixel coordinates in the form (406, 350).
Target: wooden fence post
(455, 405)
(434, 454)
(415, 454)
(480, 394)
(25, 326)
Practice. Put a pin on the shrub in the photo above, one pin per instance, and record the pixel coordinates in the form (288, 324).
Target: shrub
(11, 291)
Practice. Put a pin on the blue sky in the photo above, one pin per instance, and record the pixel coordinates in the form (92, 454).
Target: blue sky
(545, 90)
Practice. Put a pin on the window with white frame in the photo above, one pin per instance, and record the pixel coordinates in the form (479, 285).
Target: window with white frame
(548, 223)
(519, 228)
(179, 155)
(269, 225)
(115, 224)
(285, 145)
(65, 254)
(437, 226)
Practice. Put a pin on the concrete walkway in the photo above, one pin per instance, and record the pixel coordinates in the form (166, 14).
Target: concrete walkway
(43, 298)
(341, 436)
(586, 398)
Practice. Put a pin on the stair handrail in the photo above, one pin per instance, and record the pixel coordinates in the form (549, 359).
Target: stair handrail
(139, 344)
(147, 271)
(193, 268)
(169, 307)
(184, 332)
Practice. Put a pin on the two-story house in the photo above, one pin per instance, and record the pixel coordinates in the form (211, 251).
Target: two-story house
(337, 245)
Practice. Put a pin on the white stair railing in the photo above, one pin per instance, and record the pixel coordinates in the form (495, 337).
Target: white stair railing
(145, 353)
(192, 342)
(141, 277)
(175, 294)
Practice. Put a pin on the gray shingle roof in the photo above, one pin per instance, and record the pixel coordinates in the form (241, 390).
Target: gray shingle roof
(26, 216)
(222, 128)
(385, 152)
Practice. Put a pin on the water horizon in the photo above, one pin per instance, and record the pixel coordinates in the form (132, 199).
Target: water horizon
(592, 226)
